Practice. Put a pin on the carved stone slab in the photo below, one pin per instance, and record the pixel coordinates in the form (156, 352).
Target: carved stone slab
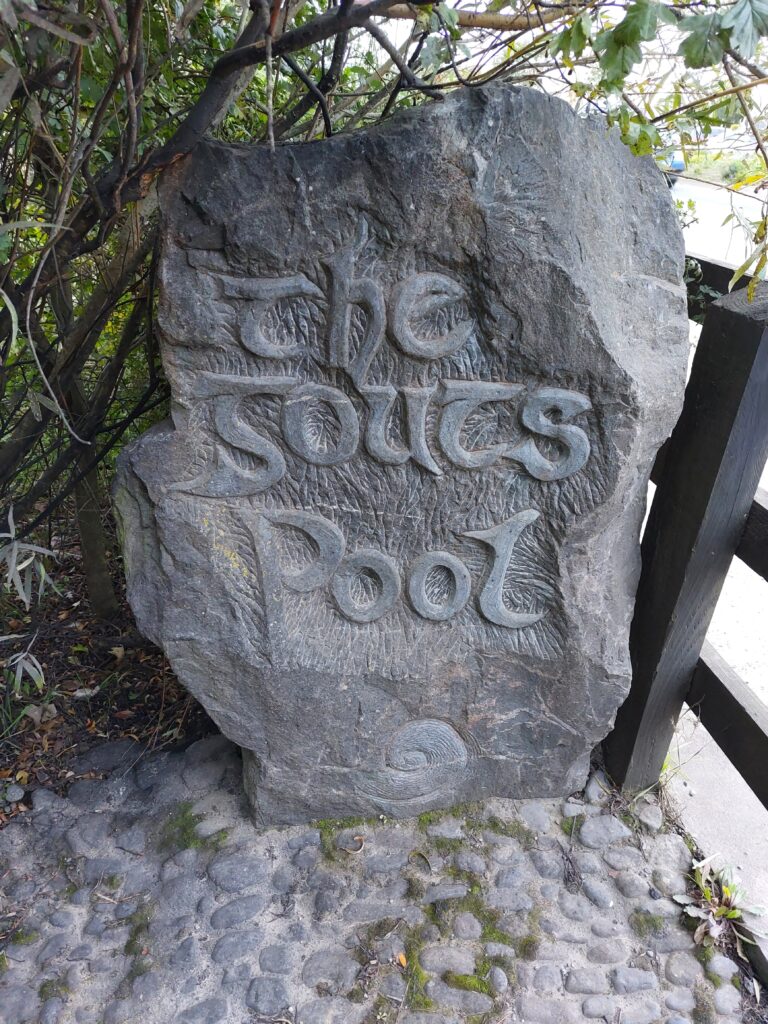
(389, 538)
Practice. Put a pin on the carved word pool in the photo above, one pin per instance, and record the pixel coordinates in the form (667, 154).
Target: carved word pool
(389, 537)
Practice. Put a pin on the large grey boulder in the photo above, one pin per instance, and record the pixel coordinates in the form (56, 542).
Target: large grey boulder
(389, 537)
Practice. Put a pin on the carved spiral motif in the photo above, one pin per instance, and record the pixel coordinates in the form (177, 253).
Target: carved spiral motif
(428, 743)
(422, 758)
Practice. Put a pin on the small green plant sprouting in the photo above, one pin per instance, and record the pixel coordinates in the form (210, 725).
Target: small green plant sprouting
(718, 904)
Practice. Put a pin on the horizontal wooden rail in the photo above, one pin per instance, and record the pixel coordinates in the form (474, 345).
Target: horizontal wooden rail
(753, 546)
(734, 717)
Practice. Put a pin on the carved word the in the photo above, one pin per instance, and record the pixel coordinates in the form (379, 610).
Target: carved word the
(427, 295)
(332, 566)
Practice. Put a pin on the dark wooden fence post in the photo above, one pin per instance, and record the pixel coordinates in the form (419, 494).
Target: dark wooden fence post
(710, 474)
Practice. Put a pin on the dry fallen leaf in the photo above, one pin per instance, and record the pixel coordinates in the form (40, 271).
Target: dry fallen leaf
(401, 960)
(118, 652)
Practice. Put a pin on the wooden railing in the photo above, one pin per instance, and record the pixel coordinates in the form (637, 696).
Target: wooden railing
(707, 509)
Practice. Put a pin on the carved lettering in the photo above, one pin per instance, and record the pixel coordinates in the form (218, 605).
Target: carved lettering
(460, 399)
(502, 539)
(347, 291)
(227, 478)
(457, 590)
(366, 585)
(328, 539)
(308, 431)
(381, 401)
(537, 415)
(427, 295)
(265, 294)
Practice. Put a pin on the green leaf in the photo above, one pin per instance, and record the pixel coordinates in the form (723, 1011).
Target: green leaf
(746, 21)
(616, 60)
(705, 42)
(638, 24)
(449, 15)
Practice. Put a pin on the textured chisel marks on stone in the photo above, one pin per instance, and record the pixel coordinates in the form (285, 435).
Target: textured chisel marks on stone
(421, 759)
(389, 537)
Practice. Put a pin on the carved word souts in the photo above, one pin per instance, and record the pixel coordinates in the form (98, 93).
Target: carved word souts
(544, 412)
(332, 565)
(425, 298)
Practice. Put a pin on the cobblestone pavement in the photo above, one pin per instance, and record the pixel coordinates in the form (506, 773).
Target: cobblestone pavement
(148, 896)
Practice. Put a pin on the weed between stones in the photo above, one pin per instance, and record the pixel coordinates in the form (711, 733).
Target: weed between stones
(382, 1012)
(444, 846)
(704, 1011)
(459, 811)
(179, 831)
(507, 964)
(24, 937)
(416, 977)
(53, 988)
(572, 825)
(3, 963)
(514, 829)
(468, 983)
(139, 922)
(644, 924)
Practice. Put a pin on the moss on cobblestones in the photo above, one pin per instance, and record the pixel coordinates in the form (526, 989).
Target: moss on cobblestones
(52, 988)
(356, 994)
(507, 964)
(3, 963)
(24, 937)
(459, 811)
(572, 825)
(415, 888)
(180, 831)
(514, 829)
(704, 1011)
(527, 946)
(416, 977)
(645, 924)
(139, 922)
(468, 983)
(445, 846)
